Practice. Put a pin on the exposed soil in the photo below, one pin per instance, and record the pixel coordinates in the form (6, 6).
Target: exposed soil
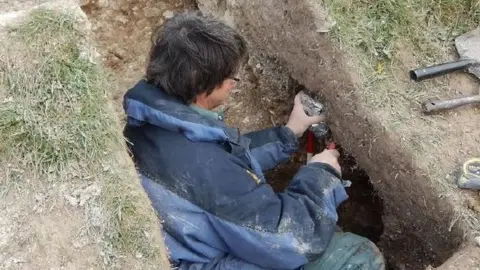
(122, 31)
(263, 99)
(362, 212)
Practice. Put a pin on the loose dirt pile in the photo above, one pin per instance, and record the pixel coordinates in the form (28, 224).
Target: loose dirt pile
(122, 32)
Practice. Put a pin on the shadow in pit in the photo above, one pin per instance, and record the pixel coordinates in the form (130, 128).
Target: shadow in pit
(361, 213)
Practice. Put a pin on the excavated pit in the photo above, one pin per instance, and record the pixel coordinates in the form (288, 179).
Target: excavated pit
(380, 206)
(363, 212)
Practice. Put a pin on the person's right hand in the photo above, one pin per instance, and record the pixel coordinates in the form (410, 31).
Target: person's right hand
(329, 157)
(299, 121)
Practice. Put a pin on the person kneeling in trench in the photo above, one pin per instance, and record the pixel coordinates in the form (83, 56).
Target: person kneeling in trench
(205, 180)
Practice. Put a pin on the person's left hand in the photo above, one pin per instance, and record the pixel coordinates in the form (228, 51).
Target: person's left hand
(299, 121)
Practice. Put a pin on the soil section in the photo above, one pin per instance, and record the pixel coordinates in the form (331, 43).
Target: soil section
(264, 98)
(414, 202)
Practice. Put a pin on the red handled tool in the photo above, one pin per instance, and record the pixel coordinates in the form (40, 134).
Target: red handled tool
(310, 145)
(316, 131)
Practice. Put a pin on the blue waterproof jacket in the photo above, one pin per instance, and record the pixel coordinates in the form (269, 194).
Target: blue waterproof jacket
(206, 182)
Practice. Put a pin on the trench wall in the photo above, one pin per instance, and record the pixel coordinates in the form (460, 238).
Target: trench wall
(292, 32)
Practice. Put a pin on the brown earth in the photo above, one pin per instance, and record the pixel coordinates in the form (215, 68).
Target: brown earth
(122, 31)
(408, 162)
(417, 220)
(467, 258)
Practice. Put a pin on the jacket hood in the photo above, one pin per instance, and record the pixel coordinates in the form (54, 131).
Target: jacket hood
(147, 104)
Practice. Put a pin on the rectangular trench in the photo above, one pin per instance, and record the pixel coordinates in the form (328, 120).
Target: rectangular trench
(391, 202)
(416, 231)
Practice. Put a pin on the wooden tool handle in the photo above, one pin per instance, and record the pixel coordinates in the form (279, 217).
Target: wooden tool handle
(440, 105)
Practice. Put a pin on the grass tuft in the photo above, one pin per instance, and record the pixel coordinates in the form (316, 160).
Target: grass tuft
(375, 28)
(51, 115)
(55, 113)
(386, 38)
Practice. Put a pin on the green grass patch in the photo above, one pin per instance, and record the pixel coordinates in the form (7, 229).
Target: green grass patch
(374, 34)
(374, 28)
(55, 114)
(384, 39)
(53, 111)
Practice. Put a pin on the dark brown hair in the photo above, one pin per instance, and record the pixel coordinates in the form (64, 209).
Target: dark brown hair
(192, 54)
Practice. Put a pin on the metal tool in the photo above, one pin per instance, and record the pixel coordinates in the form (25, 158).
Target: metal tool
(441, 69)
(321, 132)
(311, 108)
(468, 47)
(310, 145)
(440, 105)
(314, 107)
(326, 138)
(470, 175)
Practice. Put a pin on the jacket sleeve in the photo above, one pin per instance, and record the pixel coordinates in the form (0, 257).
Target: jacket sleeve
(272, 146)
(284, 230)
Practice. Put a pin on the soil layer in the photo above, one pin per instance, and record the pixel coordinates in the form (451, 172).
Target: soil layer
(409, 224)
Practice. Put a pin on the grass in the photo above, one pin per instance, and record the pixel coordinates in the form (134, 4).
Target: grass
(55, 117)
(375, 32)
(375, 28)
(380, 35)
(52, 114)
(386, 38)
